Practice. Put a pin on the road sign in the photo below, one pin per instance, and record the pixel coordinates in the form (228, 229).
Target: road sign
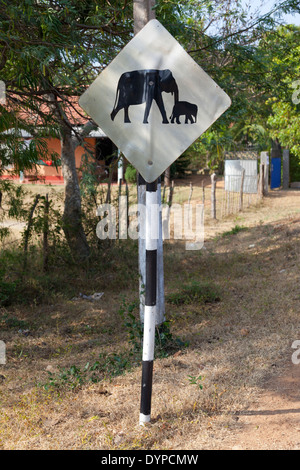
(153, 101)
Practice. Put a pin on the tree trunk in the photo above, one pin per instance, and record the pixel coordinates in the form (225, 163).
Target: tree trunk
(72, 223)
(167, 178)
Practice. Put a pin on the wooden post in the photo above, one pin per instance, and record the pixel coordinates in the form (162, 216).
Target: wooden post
(143, 11)
(213, 196)
(262, 181)
(286, 169)
(191, 192)
(242, 190)
(264, 159)
(164, 194)
(28, 229)
(141, 18)
(45, 234)
(167, 177)
(170, 195)
(127, 203)
(228, 202)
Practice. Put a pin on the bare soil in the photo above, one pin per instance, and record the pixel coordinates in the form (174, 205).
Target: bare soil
(239, 350)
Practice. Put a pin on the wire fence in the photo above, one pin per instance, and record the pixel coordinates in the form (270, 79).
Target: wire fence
(238, 194)
(221, 197)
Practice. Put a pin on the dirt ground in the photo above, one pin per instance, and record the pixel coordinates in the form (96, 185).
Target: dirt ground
(239, 351)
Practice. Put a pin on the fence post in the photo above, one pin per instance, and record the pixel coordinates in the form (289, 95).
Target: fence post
(242, 190)
(264, 159)
(286, 169)
(213, 196)
(262, 181)
(27, 232)
(45, 234)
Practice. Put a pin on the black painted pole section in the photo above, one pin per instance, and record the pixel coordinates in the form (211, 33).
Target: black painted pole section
(151, 234)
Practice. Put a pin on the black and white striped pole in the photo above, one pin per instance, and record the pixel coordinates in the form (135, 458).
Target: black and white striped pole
(151, 236)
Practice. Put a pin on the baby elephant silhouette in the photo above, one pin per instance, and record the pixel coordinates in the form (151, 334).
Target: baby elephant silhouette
(183, 108)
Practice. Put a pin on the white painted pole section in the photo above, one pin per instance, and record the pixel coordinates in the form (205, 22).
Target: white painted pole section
(149, 333)
(152, 221)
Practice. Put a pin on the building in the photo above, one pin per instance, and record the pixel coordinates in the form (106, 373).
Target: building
(48, 172)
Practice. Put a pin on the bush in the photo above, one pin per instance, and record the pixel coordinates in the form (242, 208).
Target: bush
(130, 174)
(294, 168)
(7, 291)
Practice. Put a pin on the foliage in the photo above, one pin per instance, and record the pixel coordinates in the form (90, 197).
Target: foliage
(13, 322)
(50, 52)
(12, 205)
(193, 380)
(294, 168)
(236, 229)
(179, 167)
(285, 126)
(7, 290)
(165, 343)
(130, 174)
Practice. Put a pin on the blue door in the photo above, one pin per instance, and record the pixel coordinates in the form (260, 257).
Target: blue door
(275, 173)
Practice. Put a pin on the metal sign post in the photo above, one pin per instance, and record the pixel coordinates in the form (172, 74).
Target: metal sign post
(152, 227)
(153, 101)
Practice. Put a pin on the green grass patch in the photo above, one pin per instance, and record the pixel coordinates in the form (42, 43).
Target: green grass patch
(236, 229)
(203, 292)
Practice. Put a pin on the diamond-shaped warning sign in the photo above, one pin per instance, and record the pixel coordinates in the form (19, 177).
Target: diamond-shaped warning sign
(153, 101)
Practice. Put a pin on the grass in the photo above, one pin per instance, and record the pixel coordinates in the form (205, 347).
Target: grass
(205, 292)
(73, 373)
(236, 229)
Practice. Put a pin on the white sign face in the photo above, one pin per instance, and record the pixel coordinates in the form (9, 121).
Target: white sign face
(153, 101)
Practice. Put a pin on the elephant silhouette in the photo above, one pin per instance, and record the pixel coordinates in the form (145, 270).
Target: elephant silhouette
(184, 108)
(144, 86)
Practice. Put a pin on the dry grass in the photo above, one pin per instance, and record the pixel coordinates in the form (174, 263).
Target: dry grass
(234, 346)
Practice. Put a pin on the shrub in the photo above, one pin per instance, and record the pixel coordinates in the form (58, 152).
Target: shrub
(130, 174)
(7, 291)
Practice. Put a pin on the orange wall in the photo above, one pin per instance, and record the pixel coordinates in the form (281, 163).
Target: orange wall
(54, 145)
(51, 172)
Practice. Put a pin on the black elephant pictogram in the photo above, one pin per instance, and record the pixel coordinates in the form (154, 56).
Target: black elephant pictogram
(144, 86)
(184, 108)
